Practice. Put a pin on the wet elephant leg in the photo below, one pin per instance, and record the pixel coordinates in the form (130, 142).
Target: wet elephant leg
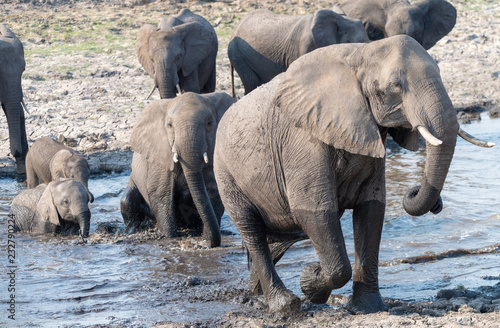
(334, 270)
(368, 219)
(136, 213)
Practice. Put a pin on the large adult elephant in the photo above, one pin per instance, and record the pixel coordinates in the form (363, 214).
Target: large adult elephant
(297, 152)
(58, 207)
(11, 94)
(172, 183)
(179, 52)
(264, 44)
(427, 21)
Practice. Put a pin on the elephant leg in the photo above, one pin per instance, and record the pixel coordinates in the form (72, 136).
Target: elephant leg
(277, 249)
(334, 270)
(368, 219)
(136, 213)
(31, 176)
(252, 230)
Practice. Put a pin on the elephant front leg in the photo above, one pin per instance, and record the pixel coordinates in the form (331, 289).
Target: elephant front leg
(334, 270)
(136, 212)
(368, 219)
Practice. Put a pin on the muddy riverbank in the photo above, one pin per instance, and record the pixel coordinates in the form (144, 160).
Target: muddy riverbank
(84, 86)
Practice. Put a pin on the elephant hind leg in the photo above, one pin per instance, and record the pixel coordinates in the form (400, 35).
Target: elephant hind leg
(136, 213)
(32, 179)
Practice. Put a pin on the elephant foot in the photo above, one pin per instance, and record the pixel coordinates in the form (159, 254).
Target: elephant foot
(313, 284)
(365, 300)
(284, 302)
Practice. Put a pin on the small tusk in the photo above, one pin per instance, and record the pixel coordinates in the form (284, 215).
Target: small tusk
(178, 88)
(24, 106)
(154, 88)
(176, 157)
(473, 140)
(428, 136)
(205, 157)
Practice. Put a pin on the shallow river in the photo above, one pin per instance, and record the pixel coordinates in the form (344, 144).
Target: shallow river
(124, 280)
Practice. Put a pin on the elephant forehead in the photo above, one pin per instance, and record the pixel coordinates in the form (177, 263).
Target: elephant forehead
(190, 102)
(69, 188)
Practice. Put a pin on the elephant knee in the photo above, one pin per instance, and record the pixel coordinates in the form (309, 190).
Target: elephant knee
(340, 276)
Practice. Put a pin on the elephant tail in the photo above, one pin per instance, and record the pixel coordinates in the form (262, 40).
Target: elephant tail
(232, 80)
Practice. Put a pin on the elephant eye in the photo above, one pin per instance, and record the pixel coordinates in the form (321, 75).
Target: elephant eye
(65, 201)
(178, 57)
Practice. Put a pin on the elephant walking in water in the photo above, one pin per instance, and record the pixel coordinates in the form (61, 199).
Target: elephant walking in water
(297, 152)
(180, 52)
(12, 66)
(49, 160)
(58, 207)
(172, 184)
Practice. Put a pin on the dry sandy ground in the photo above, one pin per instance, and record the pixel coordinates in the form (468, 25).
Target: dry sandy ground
(84, 85)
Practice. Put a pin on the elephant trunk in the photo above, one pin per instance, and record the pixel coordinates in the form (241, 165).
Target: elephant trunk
(83, 220)
(442, 123)
(166, 79)
(193, 159)
(211, 229)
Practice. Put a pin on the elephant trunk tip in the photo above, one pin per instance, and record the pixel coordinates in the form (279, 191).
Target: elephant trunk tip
(418, 202)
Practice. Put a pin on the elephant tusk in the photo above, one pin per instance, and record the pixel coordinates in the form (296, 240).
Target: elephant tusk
(176, 157)
(205, 157)
(178, 88)
(24, 106)
(473, 140)
(428, 136)
(151, 93)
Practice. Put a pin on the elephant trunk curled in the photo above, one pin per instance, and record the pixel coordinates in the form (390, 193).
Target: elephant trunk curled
(442, 123)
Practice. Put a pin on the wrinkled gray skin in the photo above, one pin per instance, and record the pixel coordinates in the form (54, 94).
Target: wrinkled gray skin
(48, 160)
(12, 66)
(59, 207)
(297, 152)
(181, 50)
(264, 44)
(427, 21)
(183, 194)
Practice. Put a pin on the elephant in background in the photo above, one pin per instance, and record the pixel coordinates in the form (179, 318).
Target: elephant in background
(59, 207)
(11, 94)
(264, 44)
(49, 160)
(294, 154)
(180, 52)
(172, 183)
(427, 21)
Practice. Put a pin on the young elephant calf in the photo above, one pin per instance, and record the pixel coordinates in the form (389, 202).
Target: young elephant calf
(48, 160)
(59, 207)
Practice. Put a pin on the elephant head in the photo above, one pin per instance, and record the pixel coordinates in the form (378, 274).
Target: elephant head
(11, 94)
(68, 164)
(427, 21)
(181, 132)
(64, 203)
(329, 27)
(165, 52)
(349, 96)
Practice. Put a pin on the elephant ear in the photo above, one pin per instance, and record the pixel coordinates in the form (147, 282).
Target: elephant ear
(325, 27)
(197, 45)
(439, 19)
(221, 101)
(149, 136)
(142, 46)
(46, 209)
(322, 95)
(406, 138)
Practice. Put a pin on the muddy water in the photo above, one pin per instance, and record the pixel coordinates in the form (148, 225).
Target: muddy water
(139, 280)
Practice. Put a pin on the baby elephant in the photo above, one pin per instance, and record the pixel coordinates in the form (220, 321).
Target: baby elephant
(264, 44)
(61, 206)
(48, 160)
